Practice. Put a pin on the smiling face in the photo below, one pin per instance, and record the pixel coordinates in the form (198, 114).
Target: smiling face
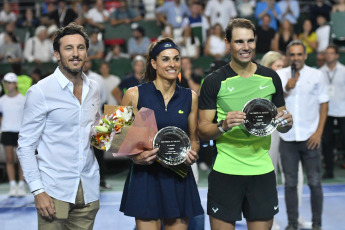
(297, 55)
(167, 64)
(242, 45)
(72, 53)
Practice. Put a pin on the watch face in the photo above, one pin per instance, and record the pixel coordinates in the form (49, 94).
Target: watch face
(173, 144)
(260, 117)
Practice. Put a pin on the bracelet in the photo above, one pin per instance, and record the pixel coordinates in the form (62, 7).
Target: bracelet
(38, 191)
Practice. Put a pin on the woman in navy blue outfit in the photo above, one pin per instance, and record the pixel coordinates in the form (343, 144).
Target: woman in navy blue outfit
(154, 194)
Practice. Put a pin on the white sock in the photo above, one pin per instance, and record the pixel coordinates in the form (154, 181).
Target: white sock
(13, 183)
(21, 183)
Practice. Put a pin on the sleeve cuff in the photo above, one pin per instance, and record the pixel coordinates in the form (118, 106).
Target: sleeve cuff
(35, 185)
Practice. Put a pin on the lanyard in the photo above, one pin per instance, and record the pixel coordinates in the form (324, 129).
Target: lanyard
(331, 78)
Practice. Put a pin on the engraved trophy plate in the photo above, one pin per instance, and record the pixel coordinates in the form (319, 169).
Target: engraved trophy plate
(173, 144)
(260, 117)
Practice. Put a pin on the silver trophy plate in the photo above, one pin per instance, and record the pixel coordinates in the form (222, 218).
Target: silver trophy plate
(260, 117)
(173, 144)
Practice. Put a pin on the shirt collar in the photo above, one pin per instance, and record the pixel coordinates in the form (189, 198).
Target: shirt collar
(63, 81)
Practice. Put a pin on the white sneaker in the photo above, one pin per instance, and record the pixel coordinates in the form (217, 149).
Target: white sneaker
(203, 166)
(21, 191)
(275, 225)
(303, 224)
(13, 191)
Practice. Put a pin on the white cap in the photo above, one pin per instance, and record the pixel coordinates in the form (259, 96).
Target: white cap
(10, 77)
(52, 29)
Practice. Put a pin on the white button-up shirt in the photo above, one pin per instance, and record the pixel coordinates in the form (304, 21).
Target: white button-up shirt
(303, 102)
(58, 125)
(336, 84)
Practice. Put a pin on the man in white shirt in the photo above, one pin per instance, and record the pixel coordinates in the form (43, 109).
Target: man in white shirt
(307, 99)
(334, 73)
(37, 48)
(59, 111)
(220, 11)
(97, 15)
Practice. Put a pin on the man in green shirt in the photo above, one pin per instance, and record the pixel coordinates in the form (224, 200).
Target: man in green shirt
(242, 179)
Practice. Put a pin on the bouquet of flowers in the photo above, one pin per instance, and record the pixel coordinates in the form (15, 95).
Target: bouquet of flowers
(111, 124)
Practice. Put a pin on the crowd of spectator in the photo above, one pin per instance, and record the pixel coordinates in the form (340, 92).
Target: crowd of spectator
(195, 25)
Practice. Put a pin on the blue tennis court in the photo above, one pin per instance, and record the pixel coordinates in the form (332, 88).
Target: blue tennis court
(20, 213)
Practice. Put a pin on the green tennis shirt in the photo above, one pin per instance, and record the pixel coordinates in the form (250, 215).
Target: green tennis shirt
(238, 151)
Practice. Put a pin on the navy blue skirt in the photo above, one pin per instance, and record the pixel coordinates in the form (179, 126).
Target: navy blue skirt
(156, 192)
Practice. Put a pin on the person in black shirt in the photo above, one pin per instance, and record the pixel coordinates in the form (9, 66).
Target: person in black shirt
(265, 35)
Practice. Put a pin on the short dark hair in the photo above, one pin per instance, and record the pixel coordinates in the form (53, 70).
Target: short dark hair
(150, 72)
(238, 23)
(70, 29)
(333, 46)
(296, 43)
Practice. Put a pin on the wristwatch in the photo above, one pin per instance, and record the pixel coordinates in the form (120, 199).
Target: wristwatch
(219, 126)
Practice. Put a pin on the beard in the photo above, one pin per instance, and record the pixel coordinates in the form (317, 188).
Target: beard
(71, 71)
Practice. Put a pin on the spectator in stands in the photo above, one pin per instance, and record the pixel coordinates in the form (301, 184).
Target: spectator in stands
(36, 75)
(167, 32)
(173, 13)
(124, 14)
(51, 35)
(283, 37)
(190, 45)
(24, 82)
(334, 73)
(37, 48)
(63, 15)
(189, 79)
(138, 44)
(271, 8)
(11, 108)
(264, 35)
(340, 7)
(115, 53)
(28, 20)
(245, 8)
(97, 15)
(6, 14)
(323, 32)
(320, 59)
(8, 28)
(81, 8)
(308, 37)
(10, 50)
(198, 22)
(289, 10)
(134, 79)
(96, 48)
(110, 82)
(215, 45)
(220, 11)
(320, 7)
(48, 6)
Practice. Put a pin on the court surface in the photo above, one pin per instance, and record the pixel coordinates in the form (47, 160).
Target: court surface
(20, 213)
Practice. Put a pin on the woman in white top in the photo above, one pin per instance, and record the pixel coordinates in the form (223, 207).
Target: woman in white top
(215, 45)
(190, 45)
(11, 108)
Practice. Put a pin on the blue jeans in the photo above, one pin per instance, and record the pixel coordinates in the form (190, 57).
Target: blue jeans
(291, 153)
